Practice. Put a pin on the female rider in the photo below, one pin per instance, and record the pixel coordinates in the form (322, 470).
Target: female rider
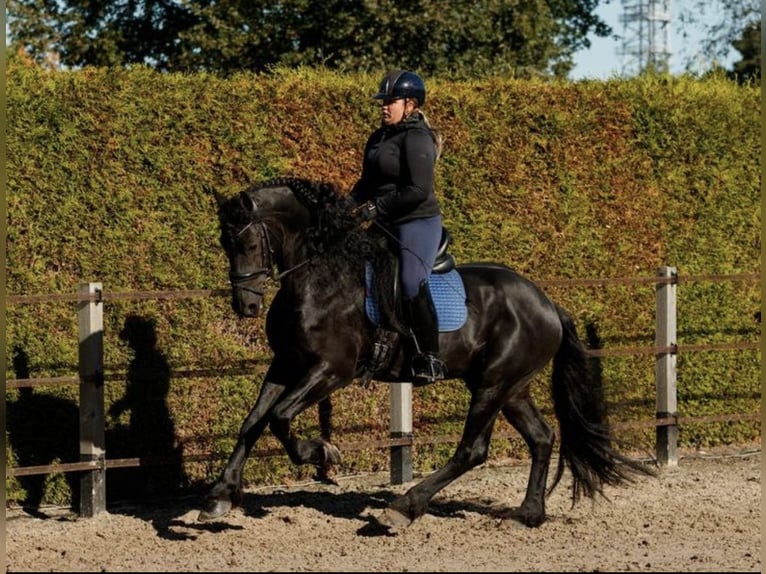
(397, 186)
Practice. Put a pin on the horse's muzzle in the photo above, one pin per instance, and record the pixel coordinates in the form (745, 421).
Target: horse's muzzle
(247, 292)
(246, 304)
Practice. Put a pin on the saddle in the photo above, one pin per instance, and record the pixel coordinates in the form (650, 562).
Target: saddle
(444, 263)
(447, 292)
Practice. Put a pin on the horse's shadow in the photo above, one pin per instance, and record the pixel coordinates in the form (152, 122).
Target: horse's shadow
(178, 521)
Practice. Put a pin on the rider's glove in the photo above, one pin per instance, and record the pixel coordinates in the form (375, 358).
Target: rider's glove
(366, 211)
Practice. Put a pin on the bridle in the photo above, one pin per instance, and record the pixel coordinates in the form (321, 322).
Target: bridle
(240, 280)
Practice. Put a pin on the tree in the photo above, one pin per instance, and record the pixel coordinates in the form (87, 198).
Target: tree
(464, 38)
(749, 45)
(100, 32)
(728, 21)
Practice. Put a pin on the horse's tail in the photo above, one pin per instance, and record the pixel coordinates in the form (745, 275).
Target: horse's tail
(585, 441)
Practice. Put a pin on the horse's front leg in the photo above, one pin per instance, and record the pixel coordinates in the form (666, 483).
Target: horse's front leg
(227, 491)
(319, 382)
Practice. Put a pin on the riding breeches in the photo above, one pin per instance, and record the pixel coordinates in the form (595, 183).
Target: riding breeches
(418, 244)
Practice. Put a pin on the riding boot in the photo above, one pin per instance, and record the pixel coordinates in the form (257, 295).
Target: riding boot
(421, 316)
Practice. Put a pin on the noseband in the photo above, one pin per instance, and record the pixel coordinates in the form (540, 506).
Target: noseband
(239, 280)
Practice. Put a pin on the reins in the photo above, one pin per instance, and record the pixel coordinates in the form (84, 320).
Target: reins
(286, 272)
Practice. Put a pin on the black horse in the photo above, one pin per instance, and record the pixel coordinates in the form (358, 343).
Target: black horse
(322, 340)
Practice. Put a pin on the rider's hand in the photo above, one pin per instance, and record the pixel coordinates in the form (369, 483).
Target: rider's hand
(367, 211)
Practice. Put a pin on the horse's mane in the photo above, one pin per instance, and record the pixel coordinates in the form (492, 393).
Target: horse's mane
(333, 225)
(337, 232)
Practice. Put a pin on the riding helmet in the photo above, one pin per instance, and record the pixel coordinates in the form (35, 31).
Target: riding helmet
(402, 84)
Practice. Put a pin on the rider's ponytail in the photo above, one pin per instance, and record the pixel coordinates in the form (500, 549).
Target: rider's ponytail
(436, 135)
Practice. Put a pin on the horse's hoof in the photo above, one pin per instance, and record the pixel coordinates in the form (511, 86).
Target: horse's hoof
(393, 519)
(534, 521)
(532, 515)
(323, 476)
(214, 509)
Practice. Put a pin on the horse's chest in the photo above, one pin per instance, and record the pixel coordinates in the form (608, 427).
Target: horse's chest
(323, 313)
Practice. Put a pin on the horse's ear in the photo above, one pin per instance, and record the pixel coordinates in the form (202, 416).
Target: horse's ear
(220, 199)
(247, 201)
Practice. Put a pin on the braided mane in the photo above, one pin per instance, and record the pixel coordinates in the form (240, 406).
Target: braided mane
(332, 220)
(312, 194)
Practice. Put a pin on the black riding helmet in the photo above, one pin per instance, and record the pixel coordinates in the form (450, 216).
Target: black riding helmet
(402, 84)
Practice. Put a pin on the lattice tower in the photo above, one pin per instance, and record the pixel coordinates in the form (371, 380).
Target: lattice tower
(646, 36)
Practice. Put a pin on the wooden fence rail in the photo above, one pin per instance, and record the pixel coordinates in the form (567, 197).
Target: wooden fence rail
(93, 462)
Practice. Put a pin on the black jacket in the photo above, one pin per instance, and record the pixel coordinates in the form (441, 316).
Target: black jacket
(398, 171)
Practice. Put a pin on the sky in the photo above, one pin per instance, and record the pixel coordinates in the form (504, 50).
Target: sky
(603, 59)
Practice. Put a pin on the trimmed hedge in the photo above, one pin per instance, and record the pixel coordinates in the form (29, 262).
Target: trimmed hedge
(107, 171)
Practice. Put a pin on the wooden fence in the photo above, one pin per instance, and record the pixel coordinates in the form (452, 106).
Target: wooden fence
(93, 456)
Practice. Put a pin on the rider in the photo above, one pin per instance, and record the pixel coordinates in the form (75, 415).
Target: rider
(397, 186)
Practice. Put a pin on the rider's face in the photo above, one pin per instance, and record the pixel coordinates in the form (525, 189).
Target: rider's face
(395, 110)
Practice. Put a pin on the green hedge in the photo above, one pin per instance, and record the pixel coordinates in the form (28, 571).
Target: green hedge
(106, 177)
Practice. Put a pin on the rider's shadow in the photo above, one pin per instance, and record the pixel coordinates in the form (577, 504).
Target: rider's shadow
(42, 429)
(150, 433)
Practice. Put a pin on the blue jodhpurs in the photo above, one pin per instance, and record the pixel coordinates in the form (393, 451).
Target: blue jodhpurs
(418, 244)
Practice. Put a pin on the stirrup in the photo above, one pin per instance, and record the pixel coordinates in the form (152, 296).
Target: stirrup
(427, 368)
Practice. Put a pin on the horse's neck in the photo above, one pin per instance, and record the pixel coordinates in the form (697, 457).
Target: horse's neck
(294, 252)
(287, 225)
(328, 272)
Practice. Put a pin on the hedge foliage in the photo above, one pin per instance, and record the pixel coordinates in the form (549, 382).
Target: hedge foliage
(107, 171)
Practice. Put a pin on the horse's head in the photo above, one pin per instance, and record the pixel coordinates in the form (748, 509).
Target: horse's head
(247, 243)
(283, 224)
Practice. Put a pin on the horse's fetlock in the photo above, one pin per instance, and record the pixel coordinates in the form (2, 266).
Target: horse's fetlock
(332, 454)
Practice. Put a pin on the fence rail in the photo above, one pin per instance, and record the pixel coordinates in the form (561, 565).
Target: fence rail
(91, 378)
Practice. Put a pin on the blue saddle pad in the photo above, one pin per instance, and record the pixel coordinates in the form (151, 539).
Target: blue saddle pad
(447, 292)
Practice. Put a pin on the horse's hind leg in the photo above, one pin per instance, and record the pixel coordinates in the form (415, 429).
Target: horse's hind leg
(324, 408)
(471, 452)
(522, 413)
(227, 491)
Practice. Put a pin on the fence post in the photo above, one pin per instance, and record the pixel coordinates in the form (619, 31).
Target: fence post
(91, 360)
(401, 427)
(665, 370)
